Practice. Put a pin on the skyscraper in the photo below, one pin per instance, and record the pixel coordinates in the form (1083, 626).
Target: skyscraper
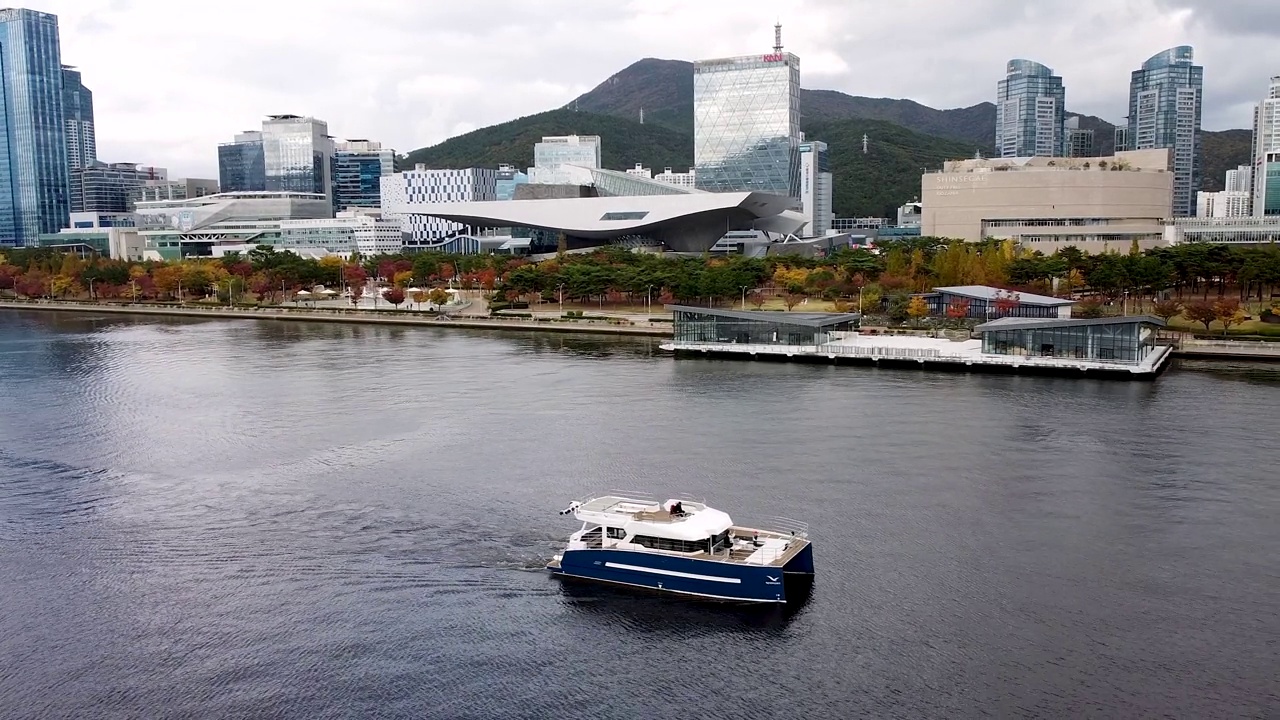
(1077, 140)
(1266, 153)
(33, 146)
(77, 109)
(746, 122)
(1029, 111)
(1164, 112)
(358, 167)
(815, 187)
(298, 154)
(241, 164)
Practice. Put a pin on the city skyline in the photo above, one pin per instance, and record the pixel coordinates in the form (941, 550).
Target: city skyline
(438, 72)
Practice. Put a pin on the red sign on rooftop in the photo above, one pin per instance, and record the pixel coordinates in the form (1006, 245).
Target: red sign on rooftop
(773, 57)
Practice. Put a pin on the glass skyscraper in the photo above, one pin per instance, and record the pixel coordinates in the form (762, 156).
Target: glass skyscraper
(1266, 153)
(746, 124)
(241, 164)
(298, 154)
(1164, 112)
(358, 167)
(33, 145)
(77, 109)
(1030, 112)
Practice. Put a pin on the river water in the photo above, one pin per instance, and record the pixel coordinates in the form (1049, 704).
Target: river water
(254, 519)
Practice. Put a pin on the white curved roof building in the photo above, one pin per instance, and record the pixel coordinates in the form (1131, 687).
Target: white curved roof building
(684, 222)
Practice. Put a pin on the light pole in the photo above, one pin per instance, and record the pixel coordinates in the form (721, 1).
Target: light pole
(91, 297)
(179, 292)
(560, 297)
(648, 299)
(859, 300)
(1125, 304)
(744, 296)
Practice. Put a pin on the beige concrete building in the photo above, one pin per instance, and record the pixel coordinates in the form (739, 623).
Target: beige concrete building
(1044, 203)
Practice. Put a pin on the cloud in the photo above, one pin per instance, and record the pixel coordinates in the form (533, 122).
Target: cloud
(172, 80)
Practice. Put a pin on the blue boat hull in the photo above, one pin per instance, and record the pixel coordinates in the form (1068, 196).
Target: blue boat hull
(707, 579)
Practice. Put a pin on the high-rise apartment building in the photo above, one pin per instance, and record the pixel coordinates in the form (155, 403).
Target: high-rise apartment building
(746, 123)
(1030, 111)
(110, 187)
(684, 179)
(1225, 204)
(358, 168)
(242, 166)
(1164, 112)
(815, 187)
(1266, 153)
(1078, 140)
(77, 109)
(553, 153)
(33, 144)
(1239, 180)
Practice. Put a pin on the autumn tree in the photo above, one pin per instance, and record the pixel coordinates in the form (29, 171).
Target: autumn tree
(1200, 311)
(1006, 303)
(1228, 312)
(394, 295)
(420, 297)
(403, 279)
(1166, 309)
(917, 310)
(357, 291)
(958, 310)
(756, 298)
(167, 279)
(792, 298)
(1088, 308)
(870, 298)
(438, 297)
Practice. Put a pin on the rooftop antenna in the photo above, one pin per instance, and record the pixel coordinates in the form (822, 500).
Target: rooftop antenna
(777, 37)
(864, 143)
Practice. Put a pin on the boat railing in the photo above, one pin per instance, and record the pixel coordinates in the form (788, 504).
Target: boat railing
(780, 525)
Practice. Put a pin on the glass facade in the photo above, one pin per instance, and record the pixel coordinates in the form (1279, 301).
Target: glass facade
(297, 154)
(508, 180)
(357, 177)
(1029, 111)
(1164, 112)
(33, 145)
(109, 188)
(77, 107)
(746, 120)
(693, 325)
(1265, 173)
(242, 167)
(1126, 342)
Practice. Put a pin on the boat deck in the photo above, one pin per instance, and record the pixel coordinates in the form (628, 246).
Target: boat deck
(773, 549)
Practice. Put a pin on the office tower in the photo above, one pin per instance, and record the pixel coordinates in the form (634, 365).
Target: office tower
(298, 154)
(77, 108)
(746, 122)
(241, 164)
(1266, 153)
(404, 194)
(508, 179)
(110, 187)
(1078, 141)
(553, 153)
(358, 167)
(1164, 112)
(1029, 111)
(33, 143)
(815, 187)
(177, 189)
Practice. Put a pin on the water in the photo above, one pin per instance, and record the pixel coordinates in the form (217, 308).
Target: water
(252, 519)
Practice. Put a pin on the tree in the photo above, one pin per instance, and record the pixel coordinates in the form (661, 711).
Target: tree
(756, 298)
(870, 299)
(1088, 308)
(403, 278)
(420, 297)
(438, 297)
(958, 310)
(917, 310)
(1201, 311)
(394, 295)
(168, 278)
(792, 299)
(1228, 312)
(1006, 303)
(356, 292)
(1166, 309)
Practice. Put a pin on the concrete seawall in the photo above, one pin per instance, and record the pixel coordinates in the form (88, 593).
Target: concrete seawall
(363, 317)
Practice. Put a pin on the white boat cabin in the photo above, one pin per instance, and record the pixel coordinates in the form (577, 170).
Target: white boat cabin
(686, 527)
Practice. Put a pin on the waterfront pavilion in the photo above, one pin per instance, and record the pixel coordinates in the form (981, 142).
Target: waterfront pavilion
(710, 325)
(1123, 340)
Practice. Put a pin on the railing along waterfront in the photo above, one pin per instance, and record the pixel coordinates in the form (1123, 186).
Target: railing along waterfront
(918, 354)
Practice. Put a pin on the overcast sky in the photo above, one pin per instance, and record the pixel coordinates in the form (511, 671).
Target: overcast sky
(172, 78)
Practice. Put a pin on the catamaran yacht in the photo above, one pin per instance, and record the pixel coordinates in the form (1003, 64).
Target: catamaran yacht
(683, 546)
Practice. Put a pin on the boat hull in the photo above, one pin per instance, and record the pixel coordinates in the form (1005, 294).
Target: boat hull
(702, 578)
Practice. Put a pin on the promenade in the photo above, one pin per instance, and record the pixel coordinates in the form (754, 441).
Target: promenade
(351, 316)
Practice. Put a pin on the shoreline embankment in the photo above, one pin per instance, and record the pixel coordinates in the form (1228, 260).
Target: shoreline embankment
(405, 318)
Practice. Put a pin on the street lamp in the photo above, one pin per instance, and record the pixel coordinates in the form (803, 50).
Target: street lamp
(648, 299)
(560, 297)
(91, 297)
(744, 296)
(1125, 304)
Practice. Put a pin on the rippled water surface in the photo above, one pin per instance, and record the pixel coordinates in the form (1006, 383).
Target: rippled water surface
(240, 519)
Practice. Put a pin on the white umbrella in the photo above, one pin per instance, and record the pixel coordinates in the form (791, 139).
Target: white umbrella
(303, 293)
(414, 290)
(329, 292)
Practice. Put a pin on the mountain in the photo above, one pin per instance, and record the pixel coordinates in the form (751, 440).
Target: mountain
(1223, 151)
(662, 89)
(876, 183)
(623, 142)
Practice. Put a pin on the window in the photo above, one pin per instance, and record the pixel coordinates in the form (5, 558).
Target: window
(616, 533)
(624, 215)
(684, 546)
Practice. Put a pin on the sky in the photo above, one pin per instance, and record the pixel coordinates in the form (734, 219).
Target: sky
(173, 78)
